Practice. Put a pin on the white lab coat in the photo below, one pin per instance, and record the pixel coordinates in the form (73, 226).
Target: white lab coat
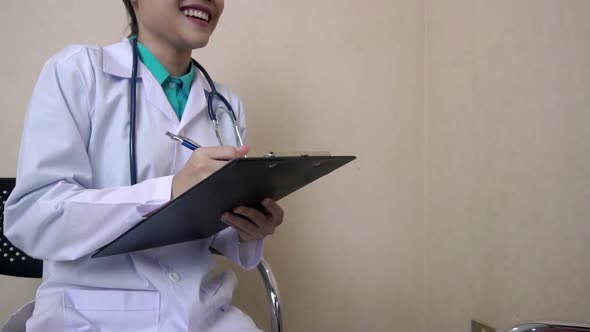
(73, 196)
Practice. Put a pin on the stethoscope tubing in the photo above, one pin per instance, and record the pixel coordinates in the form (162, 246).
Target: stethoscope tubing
(210, 110)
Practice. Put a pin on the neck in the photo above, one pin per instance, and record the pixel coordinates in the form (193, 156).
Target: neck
(175, 60)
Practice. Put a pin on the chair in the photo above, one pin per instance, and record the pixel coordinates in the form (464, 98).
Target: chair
(16, 263)
(12, 261)
(549, 327)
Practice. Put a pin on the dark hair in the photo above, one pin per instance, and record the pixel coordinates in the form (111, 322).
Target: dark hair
(132, 18)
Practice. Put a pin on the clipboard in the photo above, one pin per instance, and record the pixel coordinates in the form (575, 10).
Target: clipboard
(196, 214)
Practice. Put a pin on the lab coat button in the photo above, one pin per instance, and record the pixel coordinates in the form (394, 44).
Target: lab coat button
(174, 276)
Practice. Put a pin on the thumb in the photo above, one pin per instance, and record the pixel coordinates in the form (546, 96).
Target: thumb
(243, 150)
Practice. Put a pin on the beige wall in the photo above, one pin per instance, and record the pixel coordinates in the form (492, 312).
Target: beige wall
(313, 78)
(471, 183)
(507, 162)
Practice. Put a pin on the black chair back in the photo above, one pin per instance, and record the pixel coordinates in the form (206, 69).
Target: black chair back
(14, 262)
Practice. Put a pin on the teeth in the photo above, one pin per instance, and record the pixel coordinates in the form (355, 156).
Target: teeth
(196, 13)
(202, 15)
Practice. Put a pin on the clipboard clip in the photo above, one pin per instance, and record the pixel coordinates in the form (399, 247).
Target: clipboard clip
(297, 154)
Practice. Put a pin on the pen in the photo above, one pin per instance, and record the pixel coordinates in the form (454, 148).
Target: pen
(184, 141)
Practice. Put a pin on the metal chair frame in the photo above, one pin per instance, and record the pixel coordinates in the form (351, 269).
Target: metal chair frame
(549, 327)
(16, 263)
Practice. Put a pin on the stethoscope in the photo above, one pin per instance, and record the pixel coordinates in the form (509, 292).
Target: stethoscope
(210, 95)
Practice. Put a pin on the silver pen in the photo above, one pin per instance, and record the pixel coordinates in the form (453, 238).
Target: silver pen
(184, 141)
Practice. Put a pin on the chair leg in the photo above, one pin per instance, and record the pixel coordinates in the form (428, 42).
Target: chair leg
(272, 292)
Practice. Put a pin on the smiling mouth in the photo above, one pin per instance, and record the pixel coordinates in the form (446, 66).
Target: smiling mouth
(196, 14)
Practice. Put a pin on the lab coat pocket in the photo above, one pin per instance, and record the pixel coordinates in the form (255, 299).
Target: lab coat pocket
(111, 311)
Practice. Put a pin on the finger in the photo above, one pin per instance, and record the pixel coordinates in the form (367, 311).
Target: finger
(254, 215)
(223, 152)
(241, 224)
(244, 236)
(275, 210)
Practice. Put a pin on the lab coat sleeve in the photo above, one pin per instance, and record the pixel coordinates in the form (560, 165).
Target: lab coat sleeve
(53, 214)
(246, 254)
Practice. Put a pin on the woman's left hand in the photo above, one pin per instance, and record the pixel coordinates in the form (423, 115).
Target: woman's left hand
(253, 224)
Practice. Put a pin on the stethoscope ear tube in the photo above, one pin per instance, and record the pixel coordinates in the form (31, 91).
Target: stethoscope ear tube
(132, 115)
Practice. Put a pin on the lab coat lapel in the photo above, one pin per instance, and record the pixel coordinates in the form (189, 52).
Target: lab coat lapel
(154, 94)
(118, 61)
(197, 101)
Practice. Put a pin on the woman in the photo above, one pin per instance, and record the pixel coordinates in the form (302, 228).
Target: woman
(73, 192)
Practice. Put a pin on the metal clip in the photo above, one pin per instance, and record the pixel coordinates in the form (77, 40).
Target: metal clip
(298, 154)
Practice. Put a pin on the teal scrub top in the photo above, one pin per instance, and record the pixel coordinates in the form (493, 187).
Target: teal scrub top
(177, 89)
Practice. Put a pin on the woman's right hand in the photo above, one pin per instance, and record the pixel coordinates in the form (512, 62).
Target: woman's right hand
(202, 163)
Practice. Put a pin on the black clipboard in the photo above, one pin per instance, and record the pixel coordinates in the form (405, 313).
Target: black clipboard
(196, 214)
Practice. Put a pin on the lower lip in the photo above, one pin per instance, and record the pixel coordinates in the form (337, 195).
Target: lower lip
(198, 21)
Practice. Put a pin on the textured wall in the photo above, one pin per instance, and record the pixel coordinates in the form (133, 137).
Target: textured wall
(507, 162)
